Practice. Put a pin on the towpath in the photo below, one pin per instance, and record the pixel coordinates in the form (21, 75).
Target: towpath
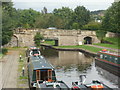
(9, 67)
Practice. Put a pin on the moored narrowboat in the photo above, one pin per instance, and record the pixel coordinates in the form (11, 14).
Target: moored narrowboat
(33, 51)
(109, 60)
(57, 85)
(40, 70)
(94, 85)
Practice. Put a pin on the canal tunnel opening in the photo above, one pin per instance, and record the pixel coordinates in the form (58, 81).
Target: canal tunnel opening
(87, 40)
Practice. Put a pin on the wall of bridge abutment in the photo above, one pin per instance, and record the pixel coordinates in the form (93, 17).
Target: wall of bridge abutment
(75, 40)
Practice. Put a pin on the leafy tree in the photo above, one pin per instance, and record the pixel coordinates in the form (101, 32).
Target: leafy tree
(92, 26)
(100, 35)
(75, 26)
(64, 13)
(27, 18)
(8, 21)
(44, 11)
(81, 15)
(38, 37)
(111, 22)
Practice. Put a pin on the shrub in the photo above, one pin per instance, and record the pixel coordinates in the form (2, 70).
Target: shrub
(4, 50)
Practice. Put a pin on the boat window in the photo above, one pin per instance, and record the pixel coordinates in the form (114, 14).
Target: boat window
(116, 60)
(105, 57)
(101, 56)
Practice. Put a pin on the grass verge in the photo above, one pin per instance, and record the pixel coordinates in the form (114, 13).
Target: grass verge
(108, 45)
(22, 81)
(85, 47)
(49, 42)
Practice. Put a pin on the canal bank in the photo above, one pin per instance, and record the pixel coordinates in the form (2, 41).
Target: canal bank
(71, 49)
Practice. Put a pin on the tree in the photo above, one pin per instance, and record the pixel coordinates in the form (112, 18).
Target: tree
(75, 26)
(8, 21)
(38, 37)
(44, 11)
(111, 21)
(65, 13)
(100, 35)
(81, 15)
(27, 18)
(92, 26)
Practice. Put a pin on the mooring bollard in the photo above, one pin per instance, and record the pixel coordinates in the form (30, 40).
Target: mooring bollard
(20, 57)
(23, 71)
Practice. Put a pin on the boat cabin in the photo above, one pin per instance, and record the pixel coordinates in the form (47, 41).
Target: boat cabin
(41, 70)
(109, 57)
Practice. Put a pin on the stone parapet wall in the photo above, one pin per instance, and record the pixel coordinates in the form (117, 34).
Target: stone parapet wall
(110, 34)
(25, 37)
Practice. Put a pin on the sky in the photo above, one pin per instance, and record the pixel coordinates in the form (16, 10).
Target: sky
(38, 5)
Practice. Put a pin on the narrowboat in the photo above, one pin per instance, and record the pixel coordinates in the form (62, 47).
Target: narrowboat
(35, 58)
(41, 70)
(33, 51)
(109, 60)
(58, 85)
(94, 85)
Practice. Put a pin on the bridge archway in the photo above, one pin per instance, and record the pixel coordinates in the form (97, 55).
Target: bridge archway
(87, 40)
(14, 41)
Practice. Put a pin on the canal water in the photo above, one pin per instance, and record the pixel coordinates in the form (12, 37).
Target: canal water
(69, 65)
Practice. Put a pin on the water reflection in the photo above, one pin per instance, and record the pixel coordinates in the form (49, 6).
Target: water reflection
(70, 65)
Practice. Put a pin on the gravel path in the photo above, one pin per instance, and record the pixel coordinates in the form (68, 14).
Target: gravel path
(117, 50)
(9, 64)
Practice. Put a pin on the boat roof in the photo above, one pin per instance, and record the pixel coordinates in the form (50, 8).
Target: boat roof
(40, 63)
(61, 84)
(110, 53)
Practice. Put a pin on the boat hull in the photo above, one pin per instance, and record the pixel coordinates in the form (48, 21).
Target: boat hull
(109, 67)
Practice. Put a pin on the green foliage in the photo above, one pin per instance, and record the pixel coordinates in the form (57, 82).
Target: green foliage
(100, 34)
(81, 15)
(92, 26)
(65, 14)
(38, 37)
(111, 22)
(114, 40)
(4, 50)
(8, 23)
(27, 18)
(75, 26)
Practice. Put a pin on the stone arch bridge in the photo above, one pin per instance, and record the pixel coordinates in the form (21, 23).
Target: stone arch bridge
(25, 37)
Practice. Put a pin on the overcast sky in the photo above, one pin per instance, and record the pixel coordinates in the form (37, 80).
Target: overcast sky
(38, 5)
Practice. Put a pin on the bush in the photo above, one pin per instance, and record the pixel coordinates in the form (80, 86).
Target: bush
(4, 50)
(92, 26)
(38, 38)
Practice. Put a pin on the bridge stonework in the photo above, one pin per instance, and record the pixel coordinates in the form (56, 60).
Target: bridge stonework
(23, 37)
